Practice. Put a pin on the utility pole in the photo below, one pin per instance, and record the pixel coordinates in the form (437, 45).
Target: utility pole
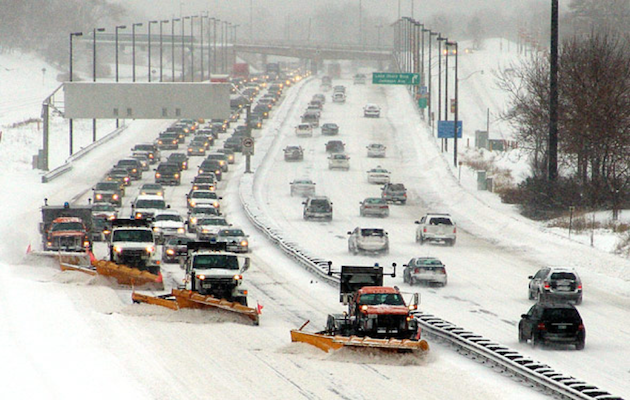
(553, 95)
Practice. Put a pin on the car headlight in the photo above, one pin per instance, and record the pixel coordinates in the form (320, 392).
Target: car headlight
(180, 230)
(99, 196)
(216, 204)
(193, 220)
(176, 176)
(115, 197)
(244, 243)
(156, 229)
(192, 203)
(170, 252)
(158, 175)
(138, 215)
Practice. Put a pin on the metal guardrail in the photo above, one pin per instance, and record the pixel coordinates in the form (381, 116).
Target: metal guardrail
(504, 359)
(67, 166)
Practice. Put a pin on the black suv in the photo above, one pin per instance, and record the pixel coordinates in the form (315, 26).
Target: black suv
(168, 173)
(548, 322)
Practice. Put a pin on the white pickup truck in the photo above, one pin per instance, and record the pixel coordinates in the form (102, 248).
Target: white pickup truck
(437, 227)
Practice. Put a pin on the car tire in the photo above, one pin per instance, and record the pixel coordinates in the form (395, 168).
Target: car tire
(578, 301)
(451, 242)
(534, 341)
(422, 240)
(579, 345)
(539, 297)
(530, 295)
(521, 336)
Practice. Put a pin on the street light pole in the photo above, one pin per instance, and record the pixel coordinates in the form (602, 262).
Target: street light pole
(201, 17)
(456, 103)
(440, 39)
(183, 51)
(94, 73)
(117, 28)
(192, 48)
(166, 21)
(173, 48)
(251, 21)
(214, 49)
(430, 78)
(361, 22)
(149, 46)
(70, 122)
(133, 48)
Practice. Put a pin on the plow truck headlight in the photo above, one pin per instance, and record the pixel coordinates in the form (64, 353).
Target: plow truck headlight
(150, 249)
(117, 249)
(201, 277)
(364, 308)
(413, 307)
(238, 277)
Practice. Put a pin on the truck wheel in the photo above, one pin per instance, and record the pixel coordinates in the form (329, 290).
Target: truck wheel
(451, 242)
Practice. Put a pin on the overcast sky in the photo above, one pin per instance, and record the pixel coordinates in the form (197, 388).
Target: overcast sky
(283, 19)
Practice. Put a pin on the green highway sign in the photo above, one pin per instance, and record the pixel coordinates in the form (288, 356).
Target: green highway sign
(395, 78)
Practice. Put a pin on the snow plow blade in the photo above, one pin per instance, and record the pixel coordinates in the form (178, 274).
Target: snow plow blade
(188, 299)
(329, 342)
(123, 274)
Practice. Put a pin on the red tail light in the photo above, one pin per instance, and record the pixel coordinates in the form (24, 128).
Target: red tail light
(579, 287)
(416, 271)
(581, 327)
(541, 326)
(454, 230)
(546, 285)
(424, 230)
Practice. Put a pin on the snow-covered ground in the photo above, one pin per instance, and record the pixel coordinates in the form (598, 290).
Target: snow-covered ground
(65, 334)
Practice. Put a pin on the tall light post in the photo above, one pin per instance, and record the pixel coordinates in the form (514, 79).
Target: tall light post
(440, 39)
(431, 34)
(201, 17)
(224, 29)
(94, 73)
(70, 122)
(173, 48)
(192, 48)
(116, 35)
(361, 22)
(214, 50)
(456, 105)
(149, 46)
(133, 48)
(165, 21)
(251, 21)
(183, 50)
(552, 169)
(378, 36)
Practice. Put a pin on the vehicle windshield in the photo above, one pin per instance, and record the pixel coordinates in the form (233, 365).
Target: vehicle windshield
(441, 221)
(168, 217)
(303, 182)
(561, 314)
(320, 205)
(212, 221)
(231, 232)
(372, 232)
(111, 186)
(375, 200)
(427, 261)
(373, 299)
(215, 261)
(128, 235)
(178, 241)
(150, 186)
(204, 195)
(68, 226)
(103, 207)
(160, 204)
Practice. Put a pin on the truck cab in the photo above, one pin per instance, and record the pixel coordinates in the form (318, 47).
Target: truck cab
(132, 243)
(213, 271)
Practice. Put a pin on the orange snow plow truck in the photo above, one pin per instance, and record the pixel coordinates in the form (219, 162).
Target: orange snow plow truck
(377, 316)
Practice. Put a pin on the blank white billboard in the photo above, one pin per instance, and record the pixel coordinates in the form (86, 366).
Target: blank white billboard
(146, 100)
